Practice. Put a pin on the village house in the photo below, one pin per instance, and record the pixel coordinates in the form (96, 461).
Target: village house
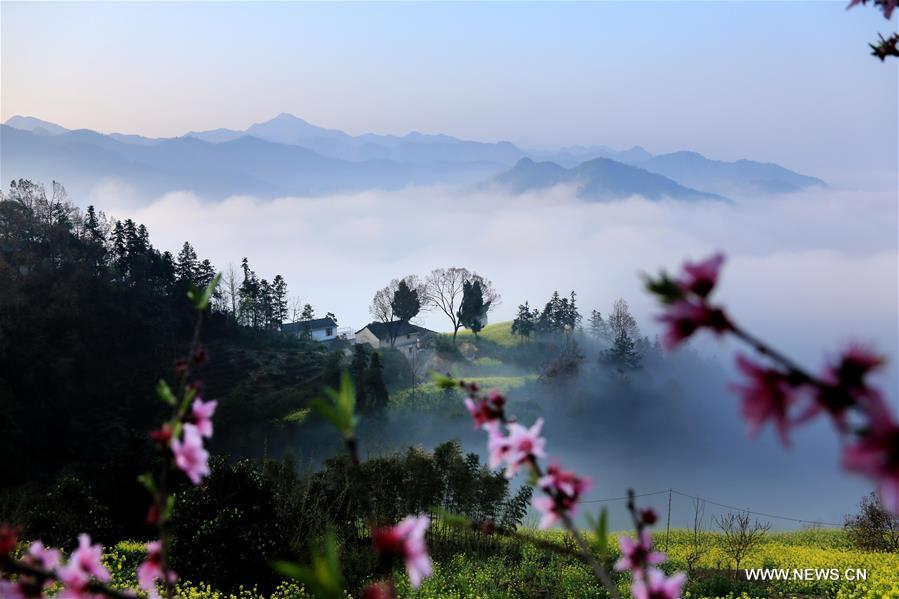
(317, 329)
(409, 337)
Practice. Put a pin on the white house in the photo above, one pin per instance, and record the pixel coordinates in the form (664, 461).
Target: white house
(317, 329)
(408, 337)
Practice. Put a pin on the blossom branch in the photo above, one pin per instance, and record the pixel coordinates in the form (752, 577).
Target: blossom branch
(40, 576)
(871, 446)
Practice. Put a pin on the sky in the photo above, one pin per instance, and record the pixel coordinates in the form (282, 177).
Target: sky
(791, 83)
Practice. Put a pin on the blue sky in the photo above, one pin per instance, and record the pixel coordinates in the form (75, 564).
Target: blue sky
(786, 82)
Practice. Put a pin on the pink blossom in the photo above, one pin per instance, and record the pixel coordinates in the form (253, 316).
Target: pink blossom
(202, 412)
(637, 554)
(89, 558)
(151, 571)
(84, 563)
(876, 453)
(844, 385)
(487, 410)
(564, 482)
(497, 444)
(685, 317)
(523, 445)
(74, 580)
(766, 396)
(564, 489)
(46, 558)
(190, 456)
(700, 278)
(10, 590)
(407, 540)
(546, 505)
(659, 586)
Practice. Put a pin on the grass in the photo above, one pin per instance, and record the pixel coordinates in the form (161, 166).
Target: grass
(499, 333)
(532, 573)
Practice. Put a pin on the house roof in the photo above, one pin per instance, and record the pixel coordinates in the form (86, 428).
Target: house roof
(398, 327)
(308, 325)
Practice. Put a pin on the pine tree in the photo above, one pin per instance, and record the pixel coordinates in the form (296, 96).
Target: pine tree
(279, 301)
(623, 354)
(308, 312)
(119, 252)
(186, 264)
(525, 321)
(472, 311)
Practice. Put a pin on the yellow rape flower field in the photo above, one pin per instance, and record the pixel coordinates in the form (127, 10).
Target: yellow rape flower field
(533, 573)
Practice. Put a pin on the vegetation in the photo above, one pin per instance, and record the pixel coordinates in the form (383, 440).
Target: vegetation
(529, 572)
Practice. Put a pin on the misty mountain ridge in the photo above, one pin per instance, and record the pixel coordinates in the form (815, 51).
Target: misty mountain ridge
(288, 155)
(597, 179)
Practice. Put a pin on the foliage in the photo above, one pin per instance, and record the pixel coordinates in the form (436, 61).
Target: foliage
(228, 530)
(873, 528)
(65, 510)
(473, 309)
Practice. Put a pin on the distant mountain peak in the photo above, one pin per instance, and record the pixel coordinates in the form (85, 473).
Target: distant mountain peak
(596, 179)
(35, 125)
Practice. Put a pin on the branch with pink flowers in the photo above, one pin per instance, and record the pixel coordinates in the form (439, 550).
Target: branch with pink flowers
(518, 448)
(782, 392)
(83, 575)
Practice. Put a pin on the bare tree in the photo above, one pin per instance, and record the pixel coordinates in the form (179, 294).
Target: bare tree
(381, 308)
(443, 290)
(740, 535)
(231, 286)
(622, 322)
(696, 546)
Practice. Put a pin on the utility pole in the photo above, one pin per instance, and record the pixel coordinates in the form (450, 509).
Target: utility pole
(668, 525)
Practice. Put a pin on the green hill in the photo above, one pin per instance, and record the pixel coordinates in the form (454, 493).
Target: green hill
(498, 332)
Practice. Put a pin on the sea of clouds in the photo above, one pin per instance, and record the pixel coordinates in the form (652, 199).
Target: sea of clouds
(810, 272)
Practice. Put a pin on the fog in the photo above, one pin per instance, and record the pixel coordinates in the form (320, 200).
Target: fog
(807, 271)
(810, 272)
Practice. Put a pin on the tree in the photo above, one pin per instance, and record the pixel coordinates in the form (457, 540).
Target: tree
(444, 289)
(381, 309)
(405, 304)
(873, 528)
(623, 354)
(599, 329)
(560, 315)
(279, 301)
(186, 264)
(696, 545)
(230, 288)
(621, 321)
(740, 535)
(473, 310)
(525, 321)
(308, 312)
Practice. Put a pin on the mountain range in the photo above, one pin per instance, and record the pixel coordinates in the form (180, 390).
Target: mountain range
(289, 156)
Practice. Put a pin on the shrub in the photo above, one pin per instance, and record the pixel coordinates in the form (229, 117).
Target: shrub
(873, 528)
(228, 531)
